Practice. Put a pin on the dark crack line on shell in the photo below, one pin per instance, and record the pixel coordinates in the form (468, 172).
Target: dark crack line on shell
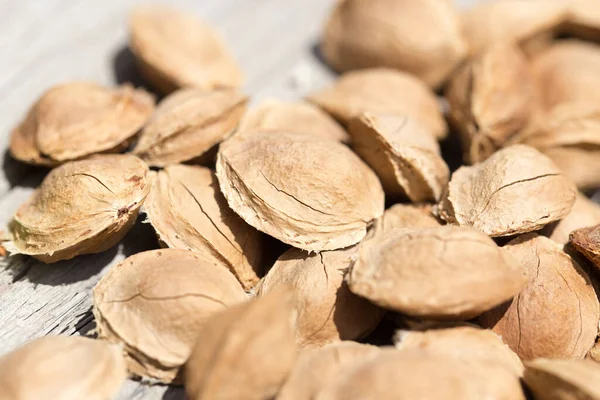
(489, 200)
(293, 197)
(579, 310)
(209, 218)
(97, 180)
(324, 268)
(166, 298)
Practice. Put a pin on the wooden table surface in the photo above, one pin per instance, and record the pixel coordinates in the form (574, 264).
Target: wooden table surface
(45, 42)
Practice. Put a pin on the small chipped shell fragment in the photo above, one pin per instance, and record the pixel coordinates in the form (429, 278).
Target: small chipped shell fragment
(154, 303)
(448, 273)
(563, 379)
(519, 21)
(309, 193)
(466, 343)
(188, 212)
(587, 242)
(418, 374)
(403, 153)
(316, 367)
(382, 90)
(491, 99)
(327, 310)
(188, 123)
(81, 207)
(516, 190)
(62, 368)
(584, 213)
(74, 120)
(174, 49)
(556, 315)
(418, 36)
(251, 345)
(274, 115)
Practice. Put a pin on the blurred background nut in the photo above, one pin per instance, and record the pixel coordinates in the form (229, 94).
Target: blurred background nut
(382, 90)
(188, 123)
(426, 375)
(556, 315)
(274, 115)
(584, 213)
(76, 119)
(327, 310)
(174, 49)
(245, 352)
(62, 368)
(418, 36)
(289, 186)
(316, 367)
(491, 99)
(466, 343)
(563, 379)
(520, 21)
(59, 223)
(154, 303)
(188, 212)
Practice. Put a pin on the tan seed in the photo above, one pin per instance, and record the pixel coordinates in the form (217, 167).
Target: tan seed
(556, 314)
(62, 368)
(516, 190)
(251, 344)
(563, 379)
(327, 310)
(174, 49)
(418, 36)
(382, 90)
(188, 211)
(312, 194)
(188, 123)
(154, 303)
(440, 273)
(73, 120)
(59, 222)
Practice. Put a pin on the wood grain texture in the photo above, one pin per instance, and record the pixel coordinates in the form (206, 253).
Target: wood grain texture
(45, 42)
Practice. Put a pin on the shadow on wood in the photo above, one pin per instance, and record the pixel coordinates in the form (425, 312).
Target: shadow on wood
(315, 49)
(65, 272)
(141, 237)
(21, 174)
(85, 325)
(174, 393)
(125, 70)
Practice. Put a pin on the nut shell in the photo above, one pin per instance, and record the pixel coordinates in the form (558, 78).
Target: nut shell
(386, 33)
(62, 367)
(274, 115)
(382, 90)
(73, 120)
(327, 310)
(491, 99)
(154, 303)
(404, 155)
(251, 344)
(174, 49)
(188, 212)
(563, 379)
(312, 194)
(438, 273)
(188, 123)
(516, 190)
(59, 223)
(556, 315)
